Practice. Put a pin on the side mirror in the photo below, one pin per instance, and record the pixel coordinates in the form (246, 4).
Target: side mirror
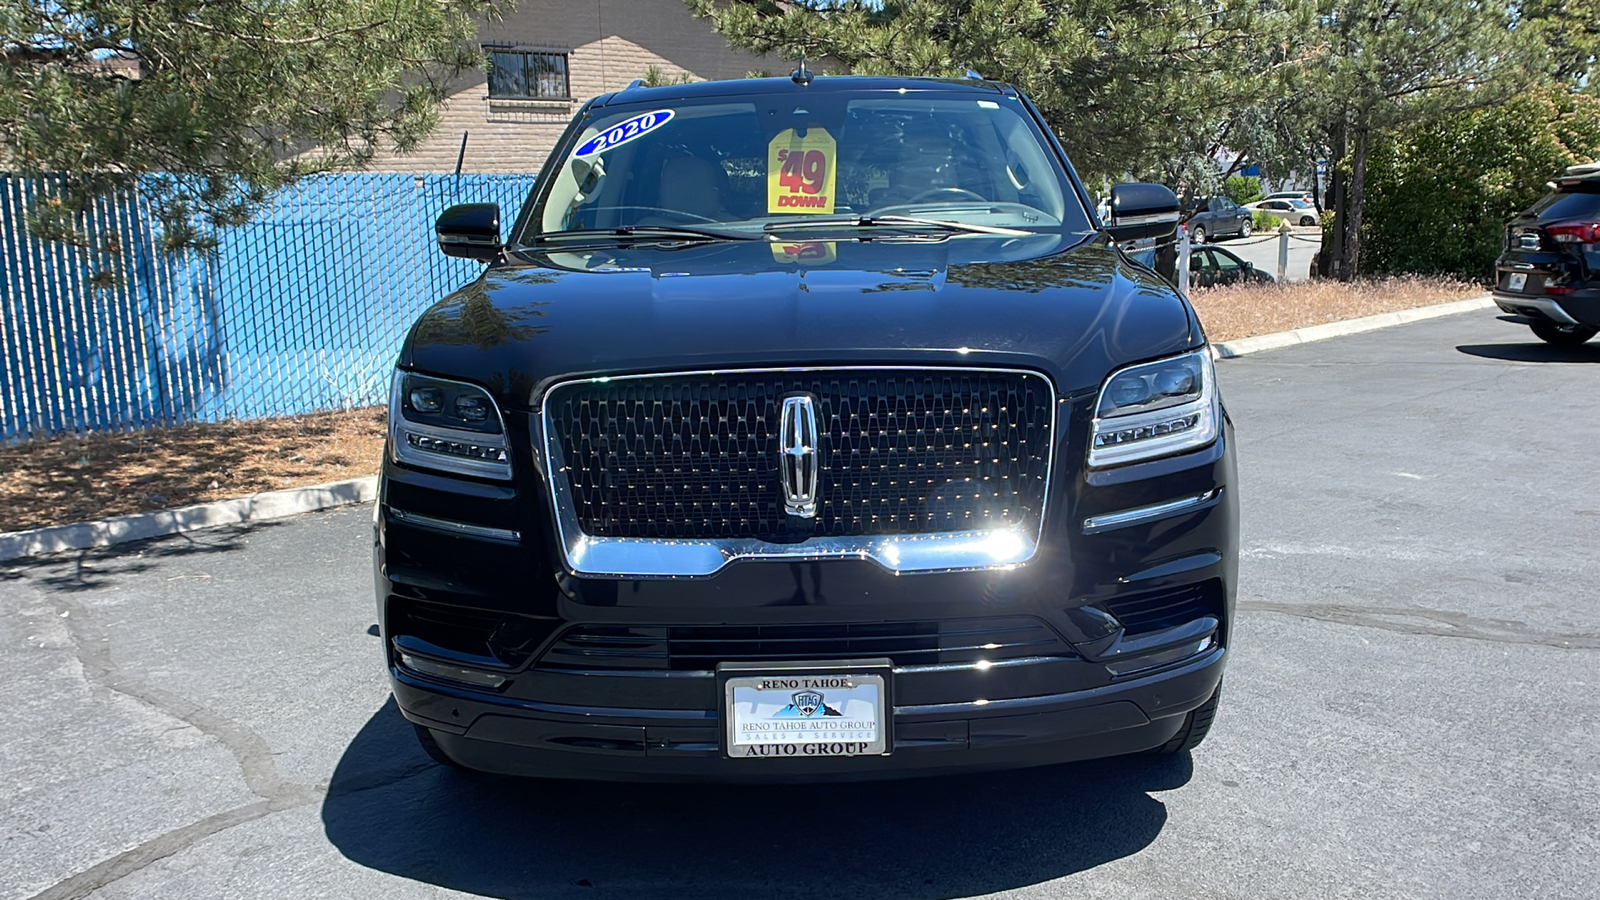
(470, 231)
(1142, 211)
(1147, 211)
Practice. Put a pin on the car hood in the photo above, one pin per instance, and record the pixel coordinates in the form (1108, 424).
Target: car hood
(1069, 306)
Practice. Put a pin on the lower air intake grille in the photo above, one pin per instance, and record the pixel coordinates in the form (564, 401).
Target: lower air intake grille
(899, 451)
(1154, 611)
(702, 647)
(501, 639)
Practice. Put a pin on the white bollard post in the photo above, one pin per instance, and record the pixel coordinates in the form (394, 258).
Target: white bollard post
(1183, 260)
(1283, 251)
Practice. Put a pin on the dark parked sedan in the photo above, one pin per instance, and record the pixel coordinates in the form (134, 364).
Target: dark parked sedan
(1548, 277)
(1211, 266)
(806, 430)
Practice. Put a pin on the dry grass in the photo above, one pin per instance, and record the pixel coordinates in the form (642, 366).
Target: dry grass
(74, 479)
(1243, 310)
(77, 478)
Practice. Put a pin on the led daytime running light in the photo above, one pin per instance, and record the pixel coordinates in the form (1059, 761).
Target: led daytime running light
(454, 448)
(1141, 432)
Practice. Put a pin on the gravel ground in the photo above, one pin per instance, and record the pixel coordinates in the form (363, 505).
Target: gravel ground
(76, 478)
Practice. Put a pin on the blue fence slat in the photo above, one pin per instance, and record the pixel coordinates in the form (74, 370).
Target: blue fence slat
(301, 310)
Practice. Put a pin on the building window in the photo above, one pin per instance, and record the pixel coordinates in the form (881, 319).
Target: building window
(527, 74)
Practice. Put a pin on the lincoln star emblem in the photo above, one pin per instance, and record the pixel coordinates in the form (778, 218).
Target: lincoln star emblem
(797, 464)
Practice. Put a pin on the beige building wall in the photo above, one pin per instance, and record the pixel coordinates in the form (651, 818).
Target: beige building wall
(608, 44)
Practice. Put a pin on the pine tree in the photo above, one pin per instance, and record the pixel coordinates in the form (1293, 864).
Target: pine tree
(1391, 64)
(207, 106)
(1129, 86)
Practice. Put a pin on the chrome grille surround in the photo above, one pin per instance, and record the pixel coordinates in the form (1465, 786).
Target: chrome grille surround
(610, 556)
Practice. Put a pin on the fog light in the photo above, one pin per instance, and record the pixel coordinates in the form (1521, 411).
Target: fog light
(448, 672)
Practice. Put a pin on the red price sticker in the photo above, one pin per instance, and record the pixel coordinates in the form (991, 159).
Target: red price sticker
(800, 172)
(806, 253)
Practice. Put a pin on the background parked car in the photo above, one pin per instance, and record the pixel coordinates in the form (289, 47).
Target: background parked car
(1215, 217)
(1293, 195)
(1548, 278)
(1293, 210)
(1212, 266)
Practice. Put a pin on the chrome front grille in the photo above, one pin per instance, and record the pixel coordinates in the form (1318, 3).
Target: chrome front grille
(696, 456)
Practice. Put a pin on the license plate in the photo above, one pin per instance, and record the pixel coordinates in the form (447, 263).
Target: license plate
(805, 714)
(1516, 280)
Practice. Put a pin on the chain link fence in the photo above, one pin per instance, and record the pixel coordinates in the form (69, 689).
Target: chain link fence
(301, 310)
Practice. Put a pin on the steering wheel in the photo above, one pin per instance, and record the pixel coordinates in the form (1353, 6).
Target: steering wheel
(954, 193)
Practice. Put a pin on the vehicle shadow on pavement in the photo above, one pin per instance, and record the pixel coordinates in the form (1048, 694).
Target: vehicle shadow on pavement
(84, 570)
(389, 808)
(1536, 352)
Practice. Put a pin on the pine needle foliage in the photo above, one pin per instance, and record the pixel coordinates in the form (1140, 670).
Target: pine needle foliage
(208, 106)
(1128, 86)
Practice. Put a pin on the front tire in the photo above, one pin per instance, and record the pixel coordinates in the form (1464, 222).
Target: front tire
(1563, 335)
(1244, 230)
(1196, 726)
(1307, 220)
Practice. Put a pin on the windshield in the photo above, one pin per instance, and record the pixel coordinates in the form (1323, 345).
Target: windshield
(780, 162)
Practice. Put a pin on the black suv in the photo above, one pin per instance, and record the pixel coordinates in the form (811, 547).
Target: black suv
(1548, 277)
(806, 429)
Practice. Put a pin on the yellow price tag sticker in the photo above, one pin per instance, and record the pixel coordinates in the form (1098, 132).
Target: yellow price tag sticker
(800, 172)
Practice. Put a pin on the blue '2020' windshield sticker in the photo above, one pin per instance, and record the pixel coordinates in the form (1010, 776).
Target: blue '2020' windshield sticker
(623, 132)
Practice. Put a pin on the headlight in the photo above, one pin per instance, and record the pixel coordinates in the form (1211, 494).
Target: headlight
(453, 426)
(1155, 409)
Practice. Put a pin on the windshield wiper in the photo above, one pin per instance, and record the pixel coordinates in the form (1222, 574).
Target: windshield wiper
(667, 232)
(892, 221)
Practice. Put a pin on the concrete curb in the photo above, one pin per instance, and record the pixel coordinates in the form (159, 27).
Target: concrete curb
(138, 527)
(1246, 346)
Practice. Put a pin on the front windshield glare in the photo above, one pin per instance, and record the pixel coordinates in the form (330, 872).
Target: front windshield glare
(739, 166)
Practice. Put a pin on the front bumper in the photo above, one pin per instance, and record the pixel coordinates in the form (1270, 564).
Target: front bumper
(1098, 646)
(554, 741)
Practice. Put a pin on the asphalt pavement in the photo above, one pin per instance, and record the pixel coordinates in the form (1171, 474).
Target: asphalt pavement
(1412, 705)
